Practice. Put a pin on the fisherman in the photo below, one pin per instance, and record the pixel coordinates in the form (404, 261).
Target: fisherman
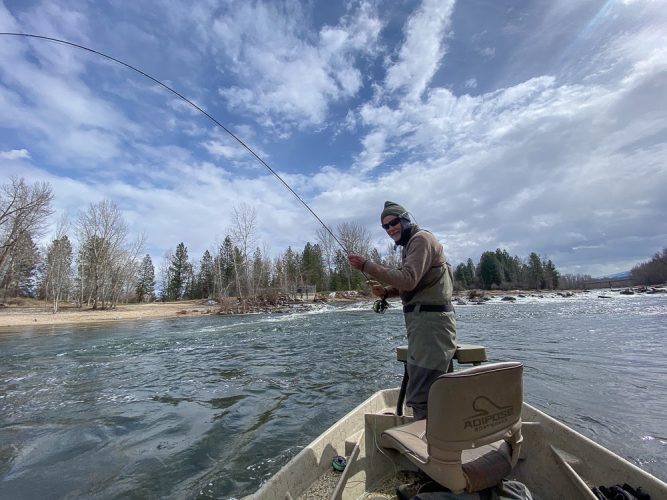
(424, 283)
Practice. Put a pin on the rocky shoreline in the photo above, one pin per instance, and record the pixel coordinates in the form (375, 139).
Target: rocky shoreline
(22, 314)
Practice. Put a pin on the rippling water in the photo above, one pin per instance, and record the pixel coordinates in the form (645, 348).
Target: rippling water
(210, 407)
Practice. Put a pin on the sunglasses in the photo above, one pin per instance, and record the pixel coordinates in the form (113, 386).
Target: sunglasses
(391, 223)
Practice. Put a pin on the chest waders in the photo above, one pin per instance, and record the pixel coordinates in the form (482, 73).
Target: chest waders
(431, 329)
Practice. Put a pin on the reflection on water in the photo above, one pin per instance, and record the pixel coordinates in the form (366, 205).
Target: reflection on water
(212, 406)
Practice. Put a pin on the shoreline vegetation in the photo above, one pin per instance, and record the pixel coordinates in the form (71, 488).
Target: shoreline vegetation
(30, 312)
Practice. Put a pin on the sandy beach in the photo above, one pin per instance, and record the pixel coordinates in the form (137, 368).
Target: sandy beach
(33, 316)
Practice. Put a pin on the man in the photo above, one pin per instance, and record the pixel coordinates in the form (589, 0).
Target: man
(424, 282)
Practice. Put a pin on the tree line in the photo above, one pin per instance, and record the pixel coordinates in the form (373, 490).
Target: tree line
(651, 272)
(91, 260)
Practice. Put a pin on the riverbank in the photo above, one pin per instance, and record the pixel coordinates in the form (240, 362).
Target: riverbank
(40, 316)
(27, 312)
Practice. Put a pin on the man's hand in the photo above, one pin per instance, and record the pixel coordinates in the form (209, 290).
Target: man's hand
(377, 289)
(356, 261)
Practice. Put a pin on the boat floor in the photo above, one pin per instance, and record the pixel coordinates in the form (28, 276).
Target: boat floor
(386, 488)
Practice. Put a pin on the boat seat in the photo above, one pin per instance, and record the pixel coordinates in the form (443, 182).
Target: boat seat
(471, 437)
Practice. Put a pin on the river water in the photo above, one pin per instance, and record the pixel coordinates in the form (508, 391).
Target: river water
(211, 406)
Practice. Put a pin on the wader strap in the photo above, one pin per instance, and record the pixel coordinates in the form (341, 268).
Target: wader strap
(448, 307)
(401, 393)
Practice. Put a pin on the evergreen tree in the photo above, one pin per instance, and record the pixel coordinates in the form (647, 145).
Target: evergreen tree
(313, 266)
(534, 271)
(489, 270)
(460, 275)
(224, 269)
(205, 283)
(178, 273)
(471, 276)
(145, 289)
(551, 275)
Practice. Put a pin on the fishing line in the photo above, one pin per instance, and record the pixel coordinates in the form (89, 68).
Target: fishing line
(204, 112)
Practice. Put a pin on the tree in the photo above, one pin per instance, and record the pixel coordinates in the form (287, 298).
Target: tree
(20, 268)
(653, 271)
(470, 273)
(313, 271)
(356, 240)
(243, 236)
(261, 269)
(460, 275)
(145, 289)
(179, 269)
(58, 272)
(24, 211)
(534, 271)
(392, 257)
(106, 261)
(551, 275)
(224, 268)
(488, 270)
(328, 247)
(206, 281)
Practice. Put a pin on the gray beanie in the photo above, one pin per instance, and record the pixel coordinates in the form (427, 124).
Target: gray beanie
(391, 208)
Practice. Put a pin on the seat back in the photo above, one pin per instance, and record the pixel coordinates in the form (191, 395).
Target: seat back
(472, 436)
(470, 408)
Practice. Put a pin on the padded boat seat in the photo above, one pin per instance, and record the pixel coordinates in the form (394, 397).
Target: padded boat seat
(471, 438)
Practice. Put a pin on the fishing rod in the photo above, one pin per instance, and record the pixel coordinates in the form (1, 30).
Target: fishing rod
(209, 116)
(188, 101)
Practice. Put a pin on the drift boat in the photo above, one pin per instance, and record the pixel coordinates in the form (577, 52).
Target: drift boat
(492, 435)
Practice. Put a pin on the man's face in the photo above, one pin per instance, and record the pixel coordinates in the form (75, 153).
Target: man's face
(392, 224)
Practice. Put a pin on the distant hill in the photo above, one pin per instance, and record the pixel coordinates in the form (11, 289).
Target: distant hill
(624, 274)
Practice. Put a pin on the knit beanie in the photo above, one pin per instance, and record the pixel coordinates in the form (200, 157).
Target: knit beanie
(391, 208)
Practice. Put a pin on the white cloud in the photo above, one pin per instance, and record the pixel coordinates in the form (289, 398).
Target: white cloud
(287, 74)
(14, 154)
(420, 54)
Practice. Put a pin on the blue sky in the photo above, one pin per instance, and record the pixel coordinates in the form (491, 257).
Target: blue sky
(526, 125)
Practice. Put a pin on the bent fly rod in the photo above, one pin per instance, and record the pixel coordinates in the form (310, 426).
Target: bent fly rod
(195, 106)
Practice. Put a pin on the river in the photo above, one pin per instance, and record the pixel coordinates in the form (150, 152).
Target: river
(211, 406)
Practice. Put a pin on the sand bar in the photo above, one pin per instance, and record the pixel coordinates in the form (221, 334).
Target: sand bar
(42, 316)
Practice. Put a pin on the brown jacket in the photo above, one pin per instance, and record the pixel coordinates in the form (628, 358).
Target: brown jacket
(422, 261)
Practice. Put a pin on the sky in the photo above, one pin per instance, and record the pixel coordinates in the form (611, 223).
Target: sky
(530, 126)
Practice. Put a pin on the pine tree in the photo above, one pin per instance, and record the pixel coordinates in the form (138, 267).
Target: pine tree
(178, 272)
(145, 290)
(534, 271)
(205, 285)
(488, 270)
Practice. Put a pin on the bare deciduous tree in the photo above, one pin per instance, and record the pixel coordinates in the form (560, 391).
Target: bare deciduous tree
(243, 235)
(58, 273)
(24, 211)
(356, 240)
(328, 246)
(106, 261)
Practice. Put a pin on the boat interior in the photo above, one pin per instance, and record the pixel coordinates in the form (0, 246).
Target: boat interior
(491, 435)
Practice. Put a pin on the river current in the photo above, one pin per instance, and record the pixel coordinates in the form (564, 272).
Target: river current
(212, 406)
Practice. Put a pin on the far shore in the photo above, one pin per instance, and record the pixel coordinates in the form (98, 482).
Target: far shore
(36, 313)
(44, 316)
